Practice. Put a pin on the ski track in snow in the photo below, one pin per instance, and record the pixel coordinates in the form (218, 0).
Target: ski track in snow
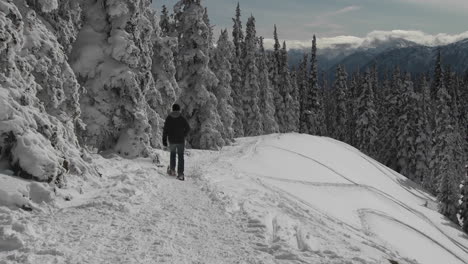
(140, 216)
(370, 188)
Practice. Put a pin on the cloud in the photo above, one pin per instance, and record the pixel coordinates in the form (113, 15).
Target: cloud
(418, 37)
(446, 4)
(323, 20)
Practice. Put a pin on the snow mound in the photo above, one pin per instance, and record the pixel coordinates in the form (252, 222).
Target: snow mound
(313, 199)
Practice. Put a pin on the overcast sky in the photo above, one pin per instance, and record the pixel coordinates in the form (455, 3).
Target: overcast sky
(298, 20)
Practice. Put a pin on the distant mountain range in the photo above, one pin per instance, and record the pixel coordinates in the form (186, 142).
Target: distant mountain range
(409, 56)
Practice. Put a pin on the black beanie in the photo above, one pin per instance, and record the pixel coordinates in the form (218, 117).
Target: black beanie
(176, 107)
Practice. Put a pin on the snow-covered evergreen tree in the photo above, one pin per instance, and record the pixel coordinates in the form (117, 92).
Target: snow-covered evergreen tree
(253, 125)
(266, 102)
(295, 101)
(340, 127)
(286, 88)
(392, 110)
(463, 207)
(352, 108)
(236, 74)
(366, 124)
(165, 23)
(313, 107)
(405, 130)
(112, 57)
(446, 152)
(420, 163)
(39, 95)
(195, 78)
(275, 79)
(302, 81)
(222, 68)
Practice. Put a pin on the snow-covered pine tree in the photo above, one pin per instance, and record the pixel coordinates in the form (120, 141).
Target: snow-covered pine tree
(366, 123)
(315, 124)
(463, 207)
(340, 126)
(446, 165)
(275, 79)
(206, 19)
(286, 90)
(328, 102)
(392, 108)
(166, 90)
(420, 164)
(405, 129)
(295, 100)
(39, 94)
(166, 23)
(222, 68)
(236, 74)
(195, 78)
(120, 36)
(438, 76)
(253, 125)
(352, 108)
(464, 112)
(266, 102)
(302, 81)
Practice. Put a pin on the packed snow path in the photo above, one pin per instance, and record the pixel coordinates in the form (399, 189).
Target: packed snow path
(139, 215)
(271, 199)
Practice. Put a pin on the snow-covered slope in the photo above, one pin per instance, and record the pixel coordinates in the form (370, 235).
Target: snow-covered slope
(272, 199)
(315, 199)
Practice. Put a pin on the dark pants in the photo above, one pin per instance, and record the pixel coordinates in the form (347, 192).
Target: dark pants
(179, 150)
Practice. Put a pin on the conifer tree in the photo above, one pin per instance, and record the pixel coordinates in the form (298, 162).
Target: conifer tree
(236, 74)
(392, 108)
(341, 121)
(313, 107)
(463, 208)
(302, 81)
(266, 102)
(438, 76)
(286, 90)
(165, 22)
(295, 100)
(275, 80)
(206, 19)
(222, 68)
(405, 129)
(445, 164)
(366, 124)
(253, 125)
(352, 108)
(423, 139)
(199, 105)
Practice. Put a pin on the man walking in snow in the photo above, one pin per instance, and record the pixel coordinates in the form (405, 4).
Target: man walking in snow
(176, 129)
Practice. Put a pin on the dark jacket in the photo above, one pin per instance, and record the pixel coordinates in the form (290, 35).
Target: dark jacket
(176, 129)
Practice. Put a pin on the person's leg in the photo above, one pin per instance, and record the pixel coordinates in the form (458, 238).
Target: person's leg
(180, 154)
(173, 148)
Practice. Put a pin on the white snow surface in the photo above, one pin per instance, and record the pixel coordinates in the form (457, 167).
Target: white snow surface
(271, 199)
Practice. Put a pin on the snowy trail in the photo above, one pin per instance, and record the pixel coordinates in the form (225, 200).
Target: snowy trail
(140, 216)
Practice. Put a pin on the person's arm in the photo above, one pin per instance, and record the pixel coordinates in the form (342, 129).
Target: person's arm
(165, 130)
